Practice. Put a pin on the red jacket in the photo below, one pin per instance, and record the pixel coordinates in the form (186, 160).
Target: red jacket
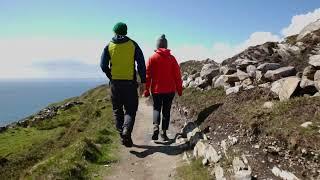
(163, 73)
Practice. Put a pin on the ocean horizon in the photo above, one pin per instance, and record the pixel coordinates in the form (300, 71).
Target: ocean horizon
(22, 98)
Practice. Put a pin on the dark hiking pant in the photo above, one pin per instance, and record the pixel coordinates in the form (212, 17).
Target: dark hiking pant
(124, 96)
(162, 103)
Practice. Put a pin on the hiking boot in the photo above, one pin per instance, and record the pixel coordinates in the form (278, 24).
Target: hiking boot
(164, 135)
(155, 135)
(126, 138)
(127, 141)
(125, 132)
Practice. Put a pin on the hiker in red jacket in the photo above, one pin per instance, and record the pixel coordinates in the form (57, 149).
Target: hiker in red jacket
(163, 80)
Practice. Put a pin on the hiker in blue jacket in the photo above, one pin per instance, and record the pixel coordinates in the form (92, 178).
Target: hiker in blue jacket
(118, 62)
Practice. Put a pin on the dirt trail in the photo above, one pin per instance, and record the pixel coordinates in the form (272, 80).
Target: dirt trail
(147, 159)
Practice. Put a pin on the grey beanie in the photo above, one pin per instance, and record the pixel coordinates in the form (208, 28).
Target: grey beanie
(162, 42)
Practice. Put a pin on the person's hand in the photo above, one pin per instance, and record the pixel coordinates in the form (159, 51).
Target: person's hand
(146, 93)
(142, 89)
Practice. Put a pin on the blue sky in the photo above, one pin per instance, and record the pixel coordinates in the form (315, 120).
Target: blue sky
(195, 29)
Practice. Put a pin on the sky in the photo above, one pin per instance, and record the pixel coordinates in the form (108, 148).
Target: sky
(65, 39)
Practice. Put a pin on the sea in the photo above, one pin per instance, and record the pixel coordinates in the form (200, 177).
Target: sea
(21, 98)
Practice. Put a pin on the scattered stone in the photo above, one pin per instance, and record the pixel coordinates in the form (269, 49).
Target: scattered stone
(243, 63)
(268, 105)
(226, 70)
(242, 75)
(231, 79)
(285, 175)
(276, 86)
(205, 161)
(306, 124)
(233, 90)
(273, 75)
(218, 172)
(288, 88)
(209, 71)
(241, 171)
(265, 85)
(315, 61)
(219, 82)
(212, 155)
(316, 94)
(247, 82)
(309, 72)
(268, 66)
(200, 149)
(251, 70)
(305, 82)
(259, 76)
(317, 80)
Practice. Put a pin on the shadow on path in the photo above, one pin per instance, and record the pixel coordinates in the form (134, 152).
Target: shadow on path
(163, 147)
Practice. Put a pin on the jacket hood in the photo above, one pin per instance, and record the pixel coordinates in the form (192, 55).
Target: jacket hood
(163, 51)
(118, 39)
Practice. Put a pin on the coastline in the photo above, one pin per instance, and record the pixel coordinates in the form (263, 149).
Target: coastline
(32, 107)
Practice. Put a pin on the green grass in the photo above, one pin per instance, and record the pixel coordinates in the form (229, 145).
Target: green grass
(19, 140)
(193, 171)
(75, 144)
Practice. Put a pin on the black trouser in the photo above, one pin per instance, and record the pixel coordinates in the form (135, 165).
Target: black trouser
(125, 99)
(162, 102)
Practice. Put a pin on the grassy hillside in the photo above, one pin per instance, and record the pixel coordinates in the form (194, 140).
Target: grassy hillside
(74, 144)
(243, 115)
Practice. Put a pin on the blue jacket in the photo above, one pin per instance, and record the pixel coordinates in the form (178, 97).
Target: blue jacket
(138, 57)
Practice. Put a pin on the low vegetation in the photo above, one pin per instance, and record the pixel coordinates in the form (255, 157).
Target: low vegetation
(75, 144)
(193, 171)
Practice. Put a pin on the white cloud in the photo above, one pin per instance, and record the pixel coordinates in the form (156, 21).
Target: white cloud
(221, 51)
(298, 22)
(19, 56)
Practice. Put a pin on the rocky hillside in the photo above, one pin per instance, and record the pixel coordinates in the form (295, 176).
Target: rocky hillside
(73, 139)
(247, 132)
